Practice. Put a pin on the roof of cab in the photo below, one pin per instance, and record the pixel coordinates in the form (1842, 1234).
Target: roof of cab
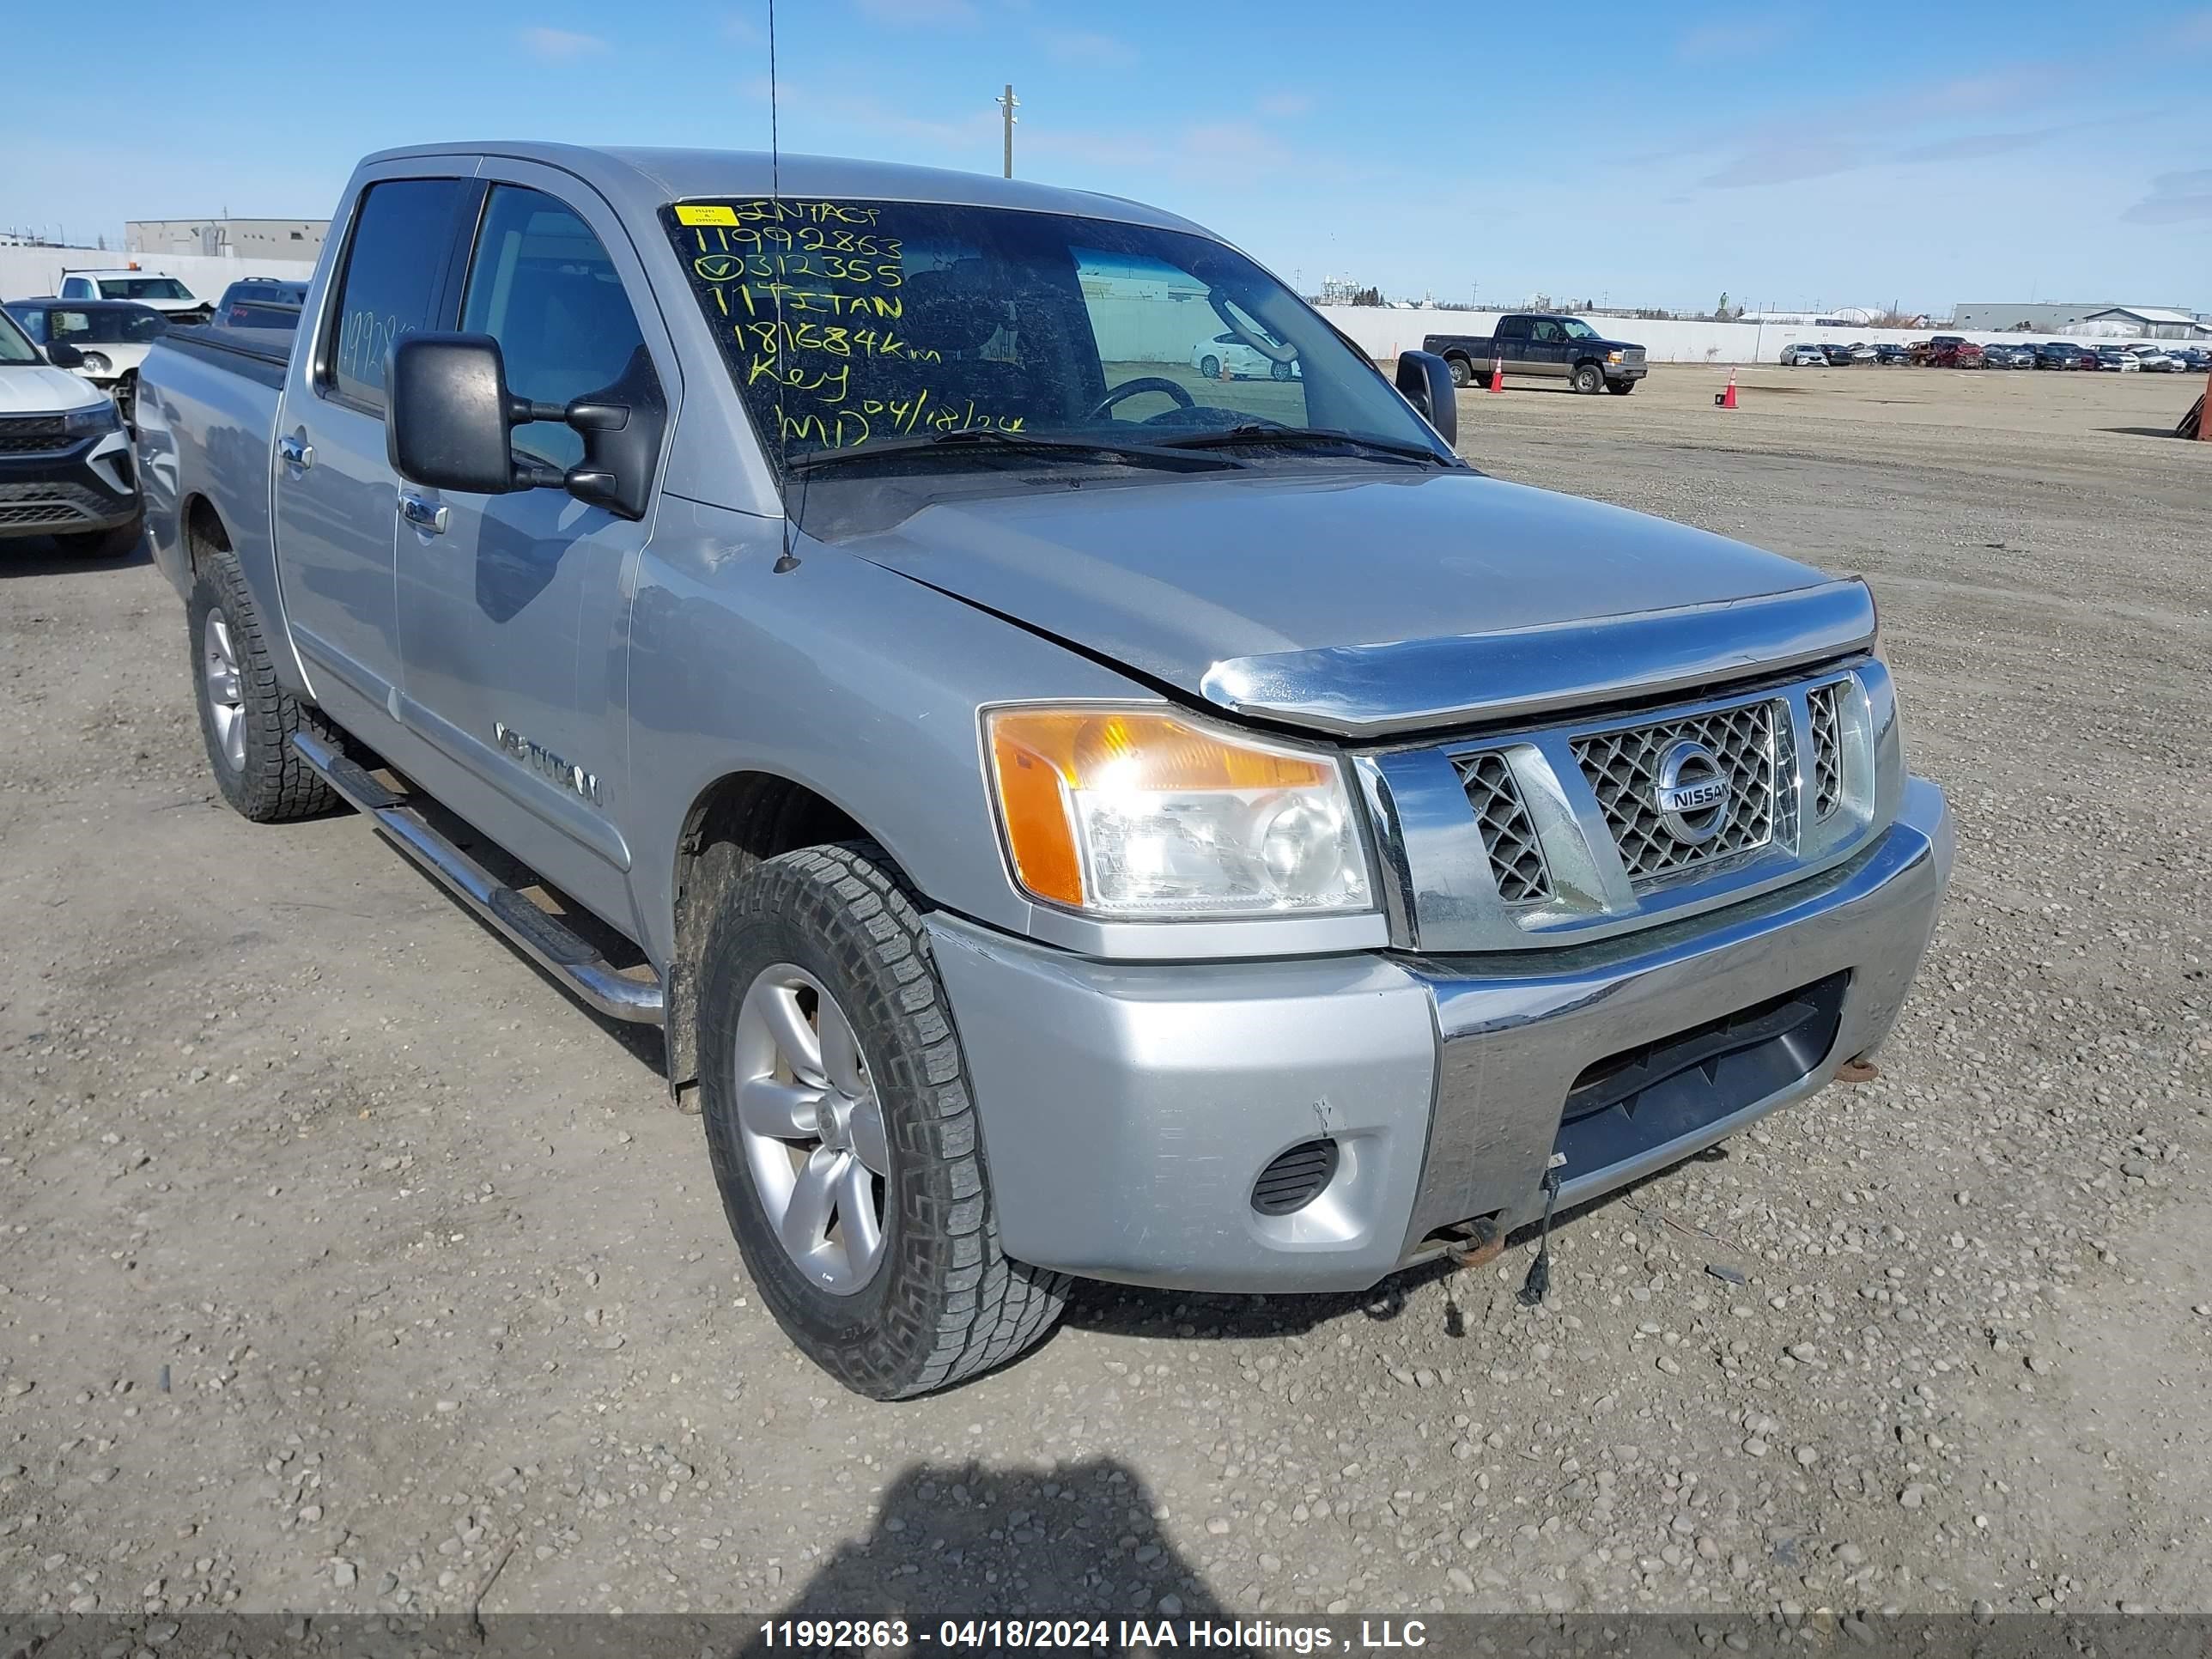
(643, 181)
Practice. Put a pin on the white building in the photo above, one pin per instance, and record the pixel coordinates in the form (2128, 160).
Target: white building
(234, 239)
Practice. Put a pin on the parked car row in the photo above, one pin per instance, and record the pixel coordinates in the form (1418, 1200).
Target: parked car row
(68, 394)
(1956, 351)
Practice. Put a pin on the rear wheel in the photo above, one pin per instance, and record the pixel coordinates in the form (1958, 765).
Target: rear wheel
(245, 717)
(117, 544)
(844, 1141)
(1588, 378)
(1462, 371)
(1210, 366)
(1278, 371)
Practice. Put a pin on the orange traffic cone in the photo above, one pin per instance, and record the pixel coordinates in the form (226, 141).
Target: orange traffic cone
(1726, 397)
(1498, 372)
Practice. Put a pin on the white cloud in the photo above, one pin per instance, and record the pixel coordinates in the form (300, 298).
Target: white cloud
(2175, 198)
(1087, 46)
(562, 43)
(918, 14)
(1285, 105)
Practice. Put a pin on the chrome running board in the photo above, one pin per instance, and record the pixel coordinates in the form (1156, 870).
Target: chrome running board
(545, 939)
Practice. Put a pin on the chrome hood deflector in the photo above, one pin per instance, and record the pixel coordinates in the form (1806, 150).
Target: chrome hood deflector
(1375, 602)
(1371, 690)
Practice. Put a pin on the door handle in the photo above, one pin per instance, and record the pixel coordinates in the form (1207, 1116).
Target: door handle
(296, 452)
(425, 514)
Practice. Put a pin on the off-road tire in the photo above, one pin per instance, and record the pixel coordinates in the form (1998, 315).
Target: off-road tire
(1587, 379)
(1463, 373)
(120, 542)
(944, 1304)
(1620, 388)
(274, 785)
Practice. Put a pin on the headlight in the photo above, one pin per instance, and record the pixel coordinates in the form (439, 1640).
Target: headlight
(99, 417)
(1136, 813)
(1612, 357)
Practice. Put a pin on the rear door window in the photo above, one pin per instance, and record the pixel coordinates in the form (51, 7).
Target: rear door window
(395, 268)
(541, 285)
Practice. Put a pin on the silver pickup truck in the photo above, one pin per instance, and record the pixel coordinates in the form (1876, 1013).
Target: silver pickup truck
(1071, 817)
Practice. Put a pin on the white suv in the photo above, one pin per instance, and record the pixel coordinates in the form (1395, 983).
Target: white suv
(164, 294)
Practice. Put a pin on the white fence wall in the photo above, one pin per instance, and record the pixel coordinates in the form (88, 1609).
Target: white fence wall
(28, 272)
(1385, 332)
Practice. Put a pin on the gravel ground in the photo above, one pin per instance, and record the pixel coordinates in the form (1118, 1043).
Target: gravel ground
(345, 1266)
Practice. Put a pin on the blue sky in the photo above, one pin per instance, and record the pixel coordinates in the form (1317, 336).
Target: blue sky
(1799, 154)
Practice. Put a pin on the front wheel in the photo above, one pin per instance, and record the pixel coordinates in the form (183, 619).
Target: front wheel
(843, 1138)
(1620, 388)
(1588, 378)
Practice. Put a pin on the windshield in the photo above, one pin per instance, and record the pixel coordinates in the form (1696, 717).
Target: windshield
(912, 320)
(119, 325)
(15, 345)
(1576, 329)
(142, 288)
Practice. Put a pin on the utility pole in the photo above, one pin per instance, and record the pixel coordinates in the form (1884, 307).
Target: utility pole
(1007, 105)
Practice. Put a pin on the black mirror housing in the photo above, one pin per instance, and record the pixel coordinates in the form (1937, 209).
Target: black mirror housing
(448, 413)
(1425, 380)
(61, 355)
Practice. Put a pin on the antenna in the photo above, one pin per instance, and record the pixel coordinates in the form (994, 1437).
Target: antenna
(788, 560)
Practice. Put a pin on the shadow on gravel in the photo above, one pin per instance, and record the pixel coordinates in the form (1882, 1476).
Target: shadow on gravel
(1077, 1543)
(42, 555)
(2142, 431)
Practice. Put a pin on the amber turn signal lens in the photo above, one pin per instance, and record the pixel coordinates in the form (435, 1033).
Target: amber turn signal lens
(1044, 758)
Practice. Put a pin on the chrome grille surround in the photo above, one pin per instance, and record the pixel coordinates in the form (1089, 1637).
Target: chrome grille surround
(1451, 817)
(1622, 768)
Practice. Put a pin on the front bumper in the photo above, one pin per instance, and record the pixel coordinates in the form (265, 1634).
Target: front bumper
(90, 484)
(1626, 371)
(1128, 1108)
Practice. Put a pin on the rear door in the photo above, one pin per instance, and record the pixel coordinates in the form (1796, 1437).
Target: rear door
(511, 607)
(1513, 343)
(335, 496)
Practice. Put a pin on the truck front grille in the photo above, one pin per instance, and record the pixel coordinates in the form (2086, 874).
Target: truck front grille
(1509, 834)
(1827, 749)
(1623, 768)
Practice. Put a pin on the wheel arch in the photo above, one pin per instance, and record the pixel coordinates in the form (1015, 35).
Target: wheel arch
(740, 819)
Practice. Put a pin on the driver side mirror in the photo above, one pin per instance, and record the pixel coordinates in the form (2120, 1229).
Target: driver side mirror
(449, 415)
(1426, 381)
(61, 355)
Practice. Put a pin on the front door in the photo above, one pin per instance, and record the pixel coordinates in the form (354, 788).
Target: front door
(335, 493)
(511, 607)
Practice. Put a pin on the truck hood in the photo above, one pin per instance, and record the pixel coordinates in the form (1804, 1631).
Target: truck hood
(1379, 604)
(42, 389)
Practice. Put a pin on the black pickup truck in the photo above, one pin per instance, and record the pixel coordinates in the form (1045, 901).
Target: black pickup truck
(1540, 343)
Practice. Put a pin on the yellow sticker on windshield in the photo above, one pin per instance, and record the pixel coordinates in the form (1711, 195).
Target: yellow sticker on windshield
(704, 214)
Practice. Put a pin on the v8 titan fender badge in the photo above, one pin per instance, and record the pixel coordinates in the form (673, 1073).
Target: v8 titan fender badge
(547, 764)
(1692, 794)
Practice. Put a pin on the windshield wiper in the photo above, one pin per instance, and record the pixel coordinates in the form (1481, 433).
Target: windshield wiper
(990, 438)
(1239, 436)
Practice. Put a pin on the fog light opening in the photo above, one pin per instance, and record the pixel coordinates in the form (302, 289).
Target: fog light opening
(1296, 1178)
